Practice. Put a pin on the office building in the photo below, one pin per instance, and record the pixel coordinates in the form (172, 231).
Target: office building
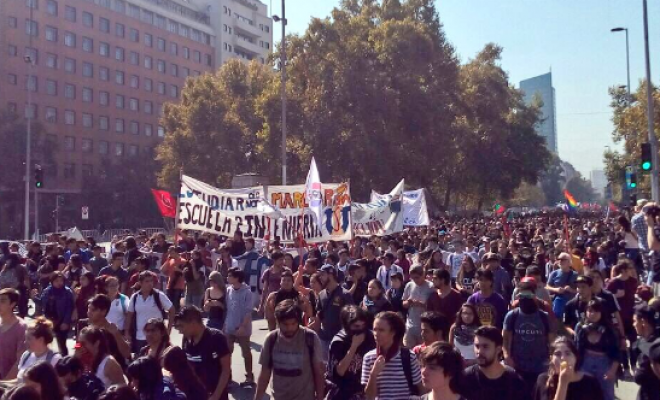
(598, 181)
(101, 70)
(541, 87)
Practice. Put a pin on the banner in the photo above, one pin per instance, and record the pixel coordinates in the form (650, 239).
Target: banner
(278, 213)
(415, 211)
(383, 216)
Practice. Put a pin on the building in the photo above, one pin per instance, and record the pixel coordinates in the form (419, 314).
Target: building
(99, 71)
(598, 181)
(540, 87)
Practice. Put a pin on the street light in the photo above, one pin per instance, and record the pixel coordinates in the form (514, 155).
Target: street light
(283, 71)
(30, 63)
(653, 140)
(619, 29)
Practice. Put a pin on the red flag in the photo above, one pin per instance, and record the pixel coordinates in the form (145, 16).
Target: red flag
(166, 203)
(613, 208)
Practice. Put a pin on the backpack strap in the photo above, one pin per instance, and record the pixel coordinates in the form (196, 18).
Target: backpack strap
(24, 358)
(49, 356)
(156, 293)
(309, 340)
(271, 344)
(407, 368)
(122, 302)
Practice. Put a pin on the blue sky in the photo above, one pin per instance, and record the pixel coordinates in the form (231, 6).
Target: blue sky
(570, 36)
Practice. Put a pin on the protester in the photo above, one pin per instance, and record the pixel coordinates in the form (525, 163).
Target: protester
(466, 277)
(42, 377)
(173, 269)
(176, 363)
(561, 284)
(21, 392)
(434, 329)
(286, 291)
(117, 270)
(461, 333)
(444, 299)
(97, 310)
(415, 296)
(38, 336)
(375, 302)
(388, 269)
(157, 338)
(79, 384)
(12, 334)
(193, 274)
(491, 306)
(146, 376)
(238, 325)
(215, 301)
(119, 306)
(328, 308)
(94, 342)
(395, 294)
(442, 372)
(57, 301)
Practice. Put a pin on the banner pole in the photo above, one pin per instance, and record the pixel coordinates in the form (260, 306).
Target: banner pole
(178, 200)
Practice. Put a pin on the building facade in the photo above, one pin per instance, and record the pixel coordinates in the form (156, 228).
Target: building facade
(541, 87)
(598, 181)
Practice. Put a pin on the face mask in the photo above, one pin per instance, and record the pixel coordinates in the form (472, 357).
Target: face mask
(528, 306)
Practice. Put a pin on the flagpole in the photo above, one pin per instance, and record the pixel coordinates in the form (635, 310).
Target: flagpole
(178, 200)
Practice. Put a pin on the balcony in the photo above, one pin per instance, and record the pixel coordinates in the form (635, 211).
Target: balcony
(247, 46)
(243, 26)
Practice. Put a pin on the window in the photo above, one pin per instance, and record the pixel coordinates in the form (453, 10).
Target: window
(69, 170)
(31, 111)
(104, 123)
(69, 117)
(172, 26)
(31, 83)
(148, 107)
(70, 13)
(161, 131)
(104, 49)
(148, 40)
(70, 65)
(12, 50)
(119, 77)
(69, 39)
(13, 22)
(51, 114)
(134, 35)
(119, 30)
(160, 21)
(88, 70)
(183, 30)
(147, 62)
(161, 66)
(185, 72)
(88, 19)
(134, 11)
(119, 101)
(147, 16)
(87, 120)
(174, 70)
(135, 81)
(209, 60)
(174, 49)
(104, 74)
(161, 44)
(133, 104)
(87, 95)
(161, 87)
(186, 53)
(132, 150)
(119, 53)
(51, 7)
(104, 98)
(69, 91)
(148, 84)
(134, 58)
(86, 145)
(119, 149)
(69, 143)
(31, 27)
(13, 80)
(87, 44)
(103, 147)
(33, 54)
(197, 56)
(174, 91)
(51, 34)
(51, 87)
(51, 60)
(87, 170)
(148, 129)
(135, 128)
(119, 125)
(104, 25)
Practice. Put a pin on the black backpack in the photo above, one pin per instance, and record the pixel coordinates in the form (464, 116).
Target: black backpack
(309, 341)
(407, 370)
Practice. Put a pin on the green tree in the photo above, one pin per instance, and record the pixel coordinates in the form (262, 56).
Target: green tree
(581, 189)
(553, 181)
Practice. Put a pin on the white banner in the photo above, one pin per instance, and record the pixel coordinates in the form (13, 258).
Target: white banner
(415, 211)
(224, 211)
(382, 216)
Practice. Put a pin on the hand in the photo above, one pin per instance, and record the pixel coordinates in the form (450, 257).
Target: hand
(561, 290)
(378, 365)
(566, 372)
(357, 340)
(610, 375)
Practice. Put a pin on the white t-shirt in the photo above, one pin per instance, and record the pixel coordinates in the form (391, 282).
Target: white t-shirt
(117, 313)
(147, 309)
(384, 274)
(31, 360)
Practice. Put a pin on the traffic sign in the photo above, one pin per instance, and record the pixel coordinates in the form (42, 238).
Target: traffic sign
(85, 212)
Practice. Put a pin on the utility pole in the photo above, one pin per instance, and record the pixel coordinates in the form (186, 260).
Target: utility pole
(653, 140)
(28, 59)
(283, 76)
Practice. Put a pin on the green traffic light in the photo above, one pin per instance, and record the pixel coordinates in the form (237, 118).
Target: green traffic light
(646, 165)
(633, 185)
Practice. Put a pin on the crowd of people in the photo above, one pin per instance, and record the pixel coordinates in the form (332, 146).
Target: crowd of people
(544, 306)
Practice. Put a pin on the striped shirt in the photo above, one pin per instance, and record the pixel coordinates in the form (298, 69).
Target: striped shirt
(392, 383)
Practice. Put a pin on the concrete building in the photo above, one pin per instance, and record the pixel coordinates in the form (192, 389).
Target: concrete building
(541, 87)
(598, 181)
(102, 69)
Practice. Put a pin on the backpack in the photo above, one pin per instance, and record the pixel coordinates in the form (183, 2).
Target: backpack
(26, 354)
(407, 371)
(156, 294)
(309, 341)
(544, 318)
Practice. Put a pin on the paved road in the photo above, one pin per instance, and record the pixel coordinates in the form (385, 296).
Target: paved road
(625, 391)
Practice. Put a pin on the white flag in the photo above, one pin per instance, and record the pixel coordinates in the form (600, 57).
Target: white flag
(313, 192)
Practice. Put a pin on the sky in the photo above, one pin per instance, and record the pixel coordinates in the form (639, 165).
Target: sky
(570, 37)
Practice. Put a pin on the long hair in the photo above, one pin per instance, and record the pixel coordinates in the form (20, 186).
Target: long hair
(148, 374)
(185, 378)
(461, 271)
(553, 374)
(476, 322)
(44, 374)
(158, 324)
(96, 335)
(431, 265)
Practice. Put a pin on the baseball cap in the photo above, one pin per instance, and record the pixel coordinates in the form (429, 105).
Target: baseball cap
(329, 269)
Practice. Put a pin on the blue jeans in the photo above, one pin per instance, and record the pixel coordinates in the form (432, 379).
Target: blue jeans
(597, 366)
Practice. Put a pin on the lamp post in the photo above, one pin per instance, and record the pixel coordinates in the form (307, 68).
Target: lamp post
(627, 56)
(653, 140)
(283, 72)
(30, 63)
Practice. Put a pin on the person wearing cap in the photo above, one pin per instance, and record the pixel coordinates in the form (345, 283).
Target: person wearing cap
(387, 270)
(527, 335)
(328, 308)
(576, 308)
(502, 280)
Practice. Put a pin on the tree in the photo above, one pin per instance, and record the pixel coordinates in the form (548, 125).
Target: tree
(527, 195)
(553, 181)
(581, 189)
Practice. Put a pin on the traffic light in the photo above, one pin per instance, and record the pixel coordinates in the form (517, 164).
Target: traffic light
(647, 158)
(633, 199)
(633, 180)
(60, 200)
(38, 177)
